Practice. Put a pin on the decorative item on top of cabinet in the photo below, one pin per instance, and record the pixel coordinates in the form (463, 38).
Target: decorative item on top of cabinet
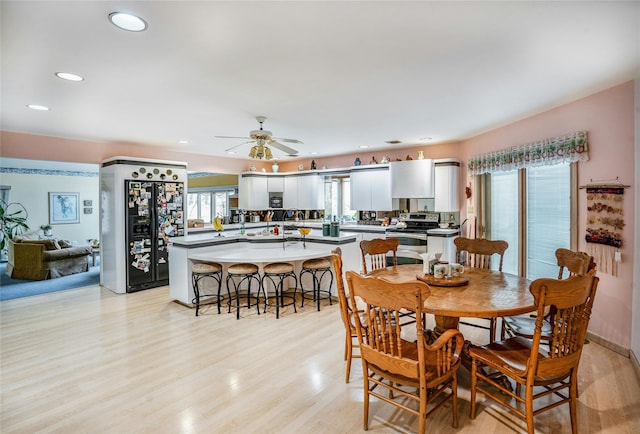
(384, 160)
(420, 155)
(408, 157)
(357, 161)
(313, 164)
(275, 167)
(373, 160)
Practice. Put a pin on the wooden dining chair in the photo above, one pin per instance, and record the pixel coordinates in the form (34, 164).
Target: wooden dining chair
(573, 263)
(346, 313)
(526, 363)
(375, 252)
(479, 252)
(396, 357)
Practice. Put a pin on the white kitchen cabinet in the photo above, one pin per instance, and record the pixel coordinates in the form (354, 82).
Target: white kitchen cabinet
(447, 174)
(412, 179)
(310, 191)
(304, 191)
(370, 188)
(253, 192)
(290, 192)
(275, 184)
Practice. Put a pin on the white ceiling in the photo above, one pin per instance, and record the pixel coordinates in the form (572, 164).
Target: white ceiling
(335, 75)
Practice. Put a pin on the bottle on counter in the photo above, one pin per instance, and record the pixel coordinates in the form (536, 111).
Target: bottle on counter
(242, 226)
(276, 230)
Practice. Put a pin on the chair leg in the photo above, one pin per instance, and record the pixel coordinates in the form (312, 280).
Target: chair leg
(348, 350)
(454, 400)
(528, 391)
(422, 412)
(474, 382)
(366, 397)
(573, 394)
(492, 329)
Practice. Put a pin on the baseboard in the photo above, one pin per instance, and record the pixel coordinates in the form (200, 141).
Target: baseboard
(635, 364)
(608, 345)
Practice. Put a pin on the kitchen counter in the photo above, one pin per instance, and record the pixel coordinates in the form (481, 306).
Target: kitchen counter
(443, 232)
(316, 224)
(259, 249)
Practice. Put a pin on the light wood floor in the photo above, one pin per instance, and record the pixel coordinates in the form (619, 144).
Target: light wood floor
(89, 361)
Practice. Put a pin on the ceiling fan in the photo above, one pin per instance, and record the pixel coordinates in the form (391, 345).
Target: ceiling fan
(262, 138)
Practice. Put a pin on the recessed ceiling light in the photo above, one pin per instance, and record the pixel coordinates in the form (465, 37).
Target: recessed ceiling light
(363, 146)
(183, 142)
(426, 139)
(314, 153)
(231, 152)
(393, 142)
(38, 107)
(69, 76)
(127, 21)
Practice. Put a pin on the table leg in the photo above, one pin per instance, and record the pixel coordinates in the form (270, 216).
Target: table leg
(444, 323)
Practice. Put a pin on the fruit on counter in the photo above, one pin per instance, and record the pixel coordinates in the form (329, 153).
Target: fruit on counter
(217, 224)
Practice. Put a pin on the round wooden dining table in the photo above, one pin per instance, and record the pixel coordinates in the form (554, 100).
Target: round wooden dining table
(487, 294)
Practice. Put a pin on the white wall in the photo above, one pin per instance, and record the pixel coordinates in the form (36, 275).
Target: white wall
(31, 181)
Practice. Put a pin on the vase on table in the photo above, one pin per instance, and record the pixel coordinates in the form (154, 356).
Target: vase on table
(275, 167)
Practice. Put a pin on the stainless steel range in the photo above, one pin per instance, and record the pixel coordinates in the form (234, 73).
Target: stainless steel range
(412, 232)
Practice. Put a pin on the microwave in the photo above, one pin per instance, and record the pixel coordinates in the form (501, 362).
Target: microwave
(275, 200)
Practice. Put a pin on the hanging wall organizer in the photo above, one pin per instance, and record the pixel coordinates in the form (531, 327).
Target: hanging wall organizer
(605, 221)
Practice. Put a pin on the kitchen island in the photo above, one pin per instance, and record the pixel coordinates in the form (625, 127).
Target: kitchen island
(258, 249)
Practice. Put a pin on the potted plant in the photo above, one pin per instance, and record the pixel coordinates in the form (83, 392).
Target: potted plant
(46, 229)
(13, 221)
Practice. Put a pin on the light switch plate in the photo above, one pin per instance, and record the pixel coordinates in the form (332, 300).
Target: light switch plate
(618, 256)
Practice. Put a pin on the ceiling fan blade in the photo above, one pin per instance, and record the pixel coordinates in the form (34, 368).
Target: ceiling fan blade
(282, 147)
(237, 146)
(287, 140)
(231, 137)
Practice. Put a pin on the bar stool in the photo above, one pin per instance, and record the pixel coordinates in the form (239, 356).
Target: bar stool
(200, 271)
(280, 271)
(318, 268)
(237, 274)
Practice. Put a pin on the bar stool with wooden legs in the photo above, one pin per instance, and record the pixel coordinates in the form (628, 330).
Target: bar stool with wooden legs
(201, 271)
(237, 275)
(317, 268)
(277, 273)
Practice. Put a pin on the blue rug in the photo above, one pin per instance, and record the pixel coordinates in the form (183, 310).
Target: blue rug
(17, 288)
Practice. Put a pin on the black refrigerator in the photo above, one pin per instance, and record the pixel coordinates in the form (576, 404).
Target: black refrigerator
(154, 214)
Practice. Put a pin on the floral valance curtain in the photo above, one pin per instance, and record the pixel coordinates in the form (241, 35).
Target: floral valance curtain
(565, 149)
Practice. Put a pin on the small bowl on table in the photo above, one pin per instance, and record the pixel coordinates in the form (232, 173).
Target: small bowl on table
(304, 231)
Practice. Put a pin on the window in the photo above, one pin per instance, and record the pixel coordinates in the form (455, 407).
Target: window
(532, 210)
(337, 199)
(207, 204)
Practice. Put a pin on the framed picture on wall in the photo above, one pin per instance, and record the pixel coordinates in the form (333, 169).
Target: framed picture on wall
(63, 208)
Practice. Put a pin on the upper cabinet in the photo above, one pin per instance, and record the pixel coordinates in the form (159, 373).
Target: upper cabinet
(253, 191)
(447, 174)
(304, 191)
(370, 188)
(412, 179)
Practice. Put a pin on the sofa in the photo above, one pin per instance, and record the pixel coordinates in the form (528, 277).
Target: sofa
(45, 259)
